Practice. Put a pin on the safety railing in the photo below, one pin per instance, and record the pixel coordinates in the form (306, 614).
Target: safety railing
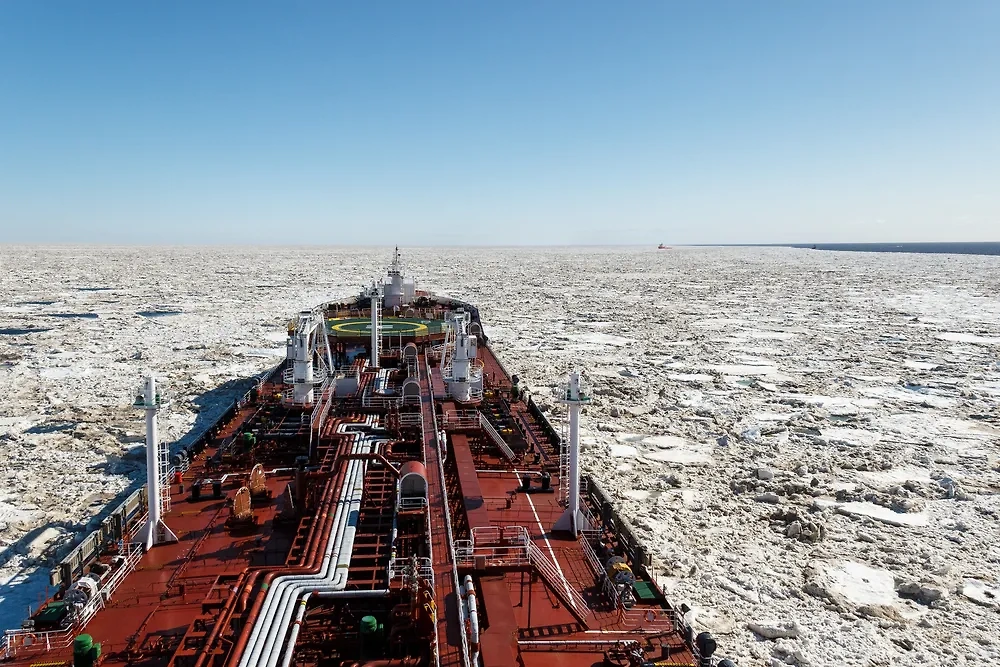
(591, 556)
(452, 546)
(369, 401)
(563, 468)
(496, 546)
(412, 503)
(410, 418)
(555, 577)
(460, 419)
(320, 413)
(653, 620)
(27, 640)
(403, 569)
(319, 375)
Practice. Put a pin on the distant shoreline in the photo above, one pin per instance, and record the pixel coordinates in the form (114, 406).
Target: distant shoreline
(958, 248)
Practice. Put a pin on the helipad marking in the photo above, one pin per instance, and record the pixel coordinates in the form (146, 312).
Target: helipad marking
(358, 327)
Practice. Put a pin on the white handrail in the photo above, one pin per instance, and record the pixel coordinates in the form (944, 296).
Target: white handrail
(549, 571)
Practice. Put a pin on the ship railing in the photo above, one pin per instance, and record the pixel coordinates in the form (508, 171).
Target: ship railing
(26, 640)
(320, 413)
(564, 465)
(592, 528)
(113, 529)
(401, 568)
(652, 620)
(412, 503)
(288, 397)
(369, 401)
(524, 425)
(641, 619)
(319, 375)
(410, 418)
(577, 645)
(434, 352)
(550, 572)
(591, 556)
(496, 546)
(411, 400)
(460, 419)
(452, 543)
(475, 372)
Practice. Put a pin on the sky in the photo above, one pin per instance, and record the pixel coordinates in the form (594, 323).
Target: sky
(499, 123)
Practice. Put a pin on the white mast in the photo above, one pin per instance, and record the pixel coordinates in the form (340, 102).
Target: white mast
(376, 325)
(575, 398)
(150, 533)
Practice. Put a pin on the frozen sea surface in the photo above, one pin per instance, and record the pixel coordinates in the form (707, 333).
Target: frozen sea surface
(803, 437)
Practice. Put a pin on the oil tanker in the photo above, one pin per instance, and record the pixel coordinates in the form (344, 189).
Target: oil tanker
(388, 495)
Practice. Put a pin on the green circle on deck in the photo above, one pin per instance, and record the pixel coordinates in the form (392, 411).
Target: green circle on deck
(391, 326)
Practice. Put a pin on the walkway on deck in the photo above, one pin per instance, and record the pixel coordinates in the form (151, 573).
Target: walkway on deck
(449, 630)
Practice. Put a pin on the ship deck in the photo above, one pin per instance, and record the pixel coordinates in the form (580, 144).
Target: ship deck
(155, 604)
(547, 632)
(543, 596)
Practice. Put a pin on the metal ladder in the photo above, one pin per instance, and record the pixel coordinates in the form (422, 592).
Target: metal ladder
(488, 427)
(377, 312)
(550, 573)
(563, 466)
(445, 359)
(163, 469)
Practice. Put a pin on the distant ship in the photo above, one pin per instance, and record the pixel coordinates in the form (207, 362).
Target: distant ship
(663, 247)
(389, 495)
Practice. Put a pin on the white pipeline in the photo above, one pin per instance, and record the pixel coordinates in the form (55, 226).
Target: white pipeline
(470, 601)
(276, 613)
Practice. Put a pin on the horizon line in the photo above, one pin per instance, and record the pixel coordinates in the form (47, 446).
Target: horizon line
(779, 244)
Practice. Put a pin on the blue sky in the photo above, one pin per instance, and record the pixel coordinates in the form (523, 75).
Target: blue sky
(499, 122)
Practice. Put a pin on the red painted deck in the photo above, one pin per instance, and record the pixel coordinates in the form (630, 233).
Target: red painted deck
(492, 369)
(547, 630)
(150, 612)
(468, 480)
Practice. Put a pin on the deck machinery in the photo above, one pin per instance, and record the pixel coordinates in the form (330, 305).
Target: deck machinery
(388, 495)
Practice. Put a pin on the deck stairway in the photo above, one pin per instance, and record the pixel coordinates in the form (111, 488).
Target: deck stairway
(568, 595)
(495, 436)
